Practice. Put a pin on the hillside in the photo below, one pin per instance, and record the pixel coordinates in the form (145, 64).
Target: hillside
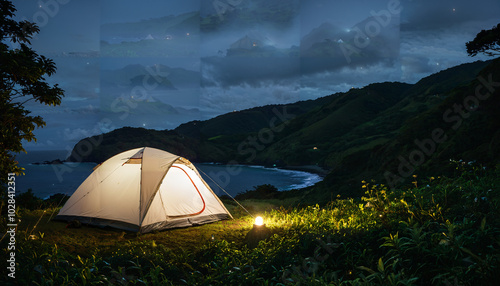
(245, 121)
(359, 134)
(410, 124)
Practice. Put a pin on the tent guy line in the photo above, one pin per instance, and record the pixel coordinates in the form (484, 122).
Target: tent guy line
(226, 192)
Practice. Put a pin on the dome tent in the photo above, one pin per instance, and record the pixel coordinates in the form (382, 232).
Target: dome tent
(144, 189)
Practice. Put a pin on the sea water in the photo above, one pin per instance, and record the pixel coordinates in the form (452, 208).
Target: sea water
(46, 180)
(240, 178)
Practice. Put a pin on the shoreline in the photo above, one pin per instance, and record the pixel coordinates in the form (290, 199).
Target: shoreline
(314, 169)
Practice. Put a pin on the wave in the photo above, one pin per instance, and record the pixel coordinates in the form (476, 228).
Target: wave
(308, 180)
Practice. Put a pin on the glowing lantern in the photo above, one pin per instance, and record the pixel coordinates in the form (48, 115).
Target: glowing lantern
(258, 232)
(259, 220)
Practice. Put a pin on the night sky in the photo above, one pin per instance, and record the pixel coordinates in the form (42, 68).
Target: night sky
(315, 48)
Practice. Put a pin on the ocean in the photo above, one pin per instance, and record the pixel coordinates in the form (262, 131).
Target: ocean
(46, 180)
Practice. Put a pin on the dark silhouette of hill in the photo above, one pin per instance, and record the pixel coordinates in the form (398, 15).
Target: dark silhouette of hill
(386, 131)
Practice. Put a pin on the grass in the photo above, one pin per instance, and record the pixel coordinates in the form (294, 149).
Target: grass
(436, 231)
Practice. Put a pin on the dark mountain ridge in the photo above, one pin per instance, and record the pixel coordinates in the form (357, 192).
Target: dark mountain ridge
(356, 135)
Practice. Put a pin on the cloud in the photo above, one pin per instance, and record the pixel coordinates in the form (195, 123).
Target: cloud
(77, 76)
(430, 39)
(415, 65)
(329, 82)
(120, 11)
(251, 71)
(240, 13)
(79, 133)
(324, 51)
(436, 15)
(317, 48)
(428, 51)
(308, 86)
(244, 96)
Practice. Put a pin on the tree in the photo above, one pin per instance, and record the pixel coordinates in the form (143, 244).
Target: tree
(486, 41)
(22, 79)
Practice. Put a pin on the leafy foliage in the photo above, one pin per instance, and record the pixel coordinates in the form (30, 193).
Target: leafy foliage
(266, 191)
(435, 231)
(22, 74)
(486, 42)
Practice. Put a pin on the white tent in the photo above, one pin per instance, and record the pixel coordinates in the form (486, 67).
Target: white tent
(144, 189)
